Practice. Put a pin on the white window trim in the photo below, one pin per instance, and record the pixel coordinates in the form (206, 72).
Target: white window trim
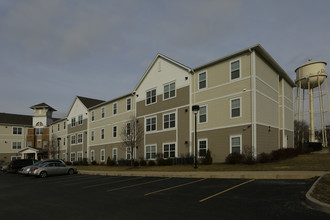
(12, 145)
(103, 112)
(240, 107)
(82, 156)
(113, 129)
(207, 145)
(92, 155)
(199, 122)
(113, 150)
(240, 69)
(176, 149)
(102, 138)
(145, 122)
(63, 156)
(102, 150)
(75, 122)
(145, 151)
(75, 139)
(92, 136)
(16, 158)
(130, 104)
(82, 138)
(167, 129)
(129, 153)
(204, 71)
(113, 108)
(146, 97)
(169, 83)
(233, 136)
(93, 116)
(82, 119)
(17, 130)
(72, 153)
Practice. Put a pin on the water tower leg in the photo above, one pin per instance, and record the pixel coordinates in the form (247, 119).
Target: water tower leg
(311, 115)
(321, 111)
(302, 118)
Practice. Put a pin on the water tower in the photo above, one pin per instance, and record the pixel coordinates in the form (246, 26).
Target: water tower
(310, 77)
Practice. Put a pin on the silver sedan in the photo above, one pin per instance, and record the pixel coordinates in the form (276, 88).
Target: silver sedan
(53, 168)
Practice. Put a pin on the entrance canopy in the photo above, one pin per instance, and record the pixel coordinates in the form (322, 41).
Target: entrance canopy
(29, 150)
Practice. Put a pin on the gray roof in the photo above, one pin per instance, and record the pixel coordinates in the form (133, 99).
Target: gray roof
(14, 119)
(43, 105)
(88, 102)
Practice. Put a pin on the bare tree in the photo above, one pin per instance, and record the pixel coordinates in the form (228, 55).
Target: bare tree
(301, 133)
(132, 136)
(54, 147)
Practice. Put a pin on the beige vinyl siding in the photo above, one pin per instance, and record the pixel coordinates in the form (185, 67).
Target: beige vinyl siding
(267, 111)
(267, 139)
(266, 73)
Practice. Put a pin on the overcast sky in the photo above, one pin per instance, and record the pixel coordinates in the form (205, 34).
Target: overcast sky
(54, 50)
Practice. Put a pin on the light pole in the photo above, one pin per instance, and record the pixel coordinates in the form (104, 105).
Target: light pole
(195, 109)
(58, 147)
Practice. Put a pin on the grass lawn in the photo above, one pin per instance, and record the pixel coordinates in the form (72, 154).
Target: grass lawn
(304, 162)
(322, 190)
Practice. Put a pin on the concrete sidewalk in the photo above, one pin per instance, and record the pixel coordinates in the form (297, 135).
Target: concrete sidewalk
(215, 174)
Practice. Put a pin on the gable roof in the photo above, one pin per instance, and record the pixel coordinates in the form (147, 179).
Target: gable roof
(261, 51)
(88, 102)
(42, 105)
(14, 119)
(176, 63)
(112, 100)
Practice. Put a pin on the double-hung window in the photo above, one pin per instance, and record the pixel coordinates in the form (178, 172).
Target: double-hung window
(235, 69)
(80, 138)
(114, 154)
(73, 122)
(16, 145)
(115, 106)
(169, 90)
(202, 114)
(17, 130)
(73, 139)
(114, 131)
(235, 107)
(151, 124)
(102, 154)
(92, 155)
(102, 112)
(169, 120)
(128, 104)
(169, 150)
(92, 135)
(93, 115)
(64, 125)
(150, 152)
(128, 153)
(202, 80)
(102, 133)
(151, 96)
(202, 146)
(236, 144)
(80, 120)
(79, 155)
(128, 129)
(58, 127)
(72, 157)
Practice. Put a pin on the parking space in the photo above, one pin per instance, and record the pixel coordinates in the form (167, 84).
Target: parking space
(100, 197)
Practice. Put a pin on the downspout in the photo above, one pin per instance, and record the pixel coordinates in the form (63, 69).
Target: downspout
(191, 103)
(253, 103)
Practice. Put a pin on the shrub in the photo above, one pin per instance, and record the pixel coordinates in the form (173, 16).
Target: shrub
(264, 158)
(169, 161)
(136, 163)
(151, 163)
(123, 162)
(84, 162)
(68, 163)
(207, 160)
(234, 158)
(143, 163)
(77, 163)
(94, 162)
(161, 162)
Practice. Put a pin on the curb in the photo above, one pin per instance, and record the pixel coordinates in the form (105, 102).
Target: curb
(321, 206)
(210, 174)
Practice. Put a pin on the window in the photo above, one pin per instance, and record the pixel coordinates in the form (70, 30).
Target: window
(169, 150)
(114, 131)
(114, 154)
(45, 144)
(151, 152)
(151, 97)
(16, 145)
(92, 155)
(102, 133)
(64, 156)
(92, 135)
(235, 106)
(29, 144)
(52, 129)
(128, 128)
(80, 120)
(202, 114)
(169, 121)
(115, 108)
(169, 90)
(93, 115)
(17, 130)
(151, 124)
(235, 69)
(202, 80)
(80, 138)
(58, 127)
(128, 104)
(102, 155)
(15, 158)
(102, 112)
(64, 125)
(80, 157)
(236, 144)
(202, 146)
(64, 141)
(39, 131)
(128, 153)
(72, 157)
(73, 139)
(73, 122)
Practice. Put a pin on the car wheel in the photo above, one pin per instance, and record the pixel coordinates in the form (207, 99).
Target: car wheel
(43, 174)
(70, 172)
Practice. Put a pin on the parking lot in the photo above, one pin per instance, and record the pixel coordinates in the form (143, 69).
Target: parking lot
(116, 197)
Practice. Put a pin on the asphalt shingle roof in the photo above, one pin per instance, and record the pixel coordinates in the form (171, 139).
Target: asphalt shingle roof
(88, 102)
(14, 119)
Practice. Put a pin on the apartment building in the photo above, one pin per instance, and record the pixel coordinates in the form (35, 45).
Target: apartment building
(245, 104)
